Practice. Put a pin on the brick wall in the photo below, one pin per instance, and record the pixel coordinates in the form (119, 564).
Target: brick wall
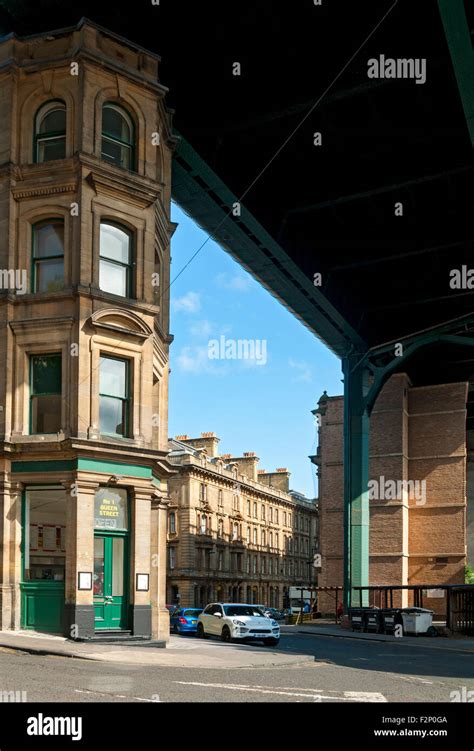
(418, 435)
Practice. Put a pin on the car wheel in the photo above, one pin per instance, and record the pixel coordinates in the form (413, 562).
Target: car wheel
(271, 642)
(201, 634)
(225, 636)
(432, 631)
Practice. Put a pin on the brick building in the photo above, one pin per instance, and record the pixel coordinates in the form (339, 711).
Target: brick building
(235, 533)
(84, 218)
(417, 489)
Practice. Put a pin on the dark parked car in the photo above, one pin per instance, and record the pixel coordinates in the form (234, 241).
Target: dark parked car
(277, 615)
(184, 620)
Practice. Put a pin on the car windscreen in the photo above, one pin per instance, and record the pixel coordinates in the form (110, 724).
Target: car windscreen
(192, 613)
(236, 610)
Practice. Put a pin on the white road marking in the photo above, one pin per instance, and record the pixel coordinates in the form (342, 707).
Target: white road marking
(411, 678)
(314, 694)
(115, 696)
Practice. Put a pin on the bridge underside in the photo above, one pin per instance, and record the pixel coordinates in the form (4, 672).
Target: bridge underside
(328, 209)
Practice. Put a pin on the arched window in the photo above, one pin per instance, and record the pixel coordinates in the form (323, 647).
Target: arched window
(255, 536)
(50, 132)
(118, 136)
(263, 538)
(116, 260)
(48, 256)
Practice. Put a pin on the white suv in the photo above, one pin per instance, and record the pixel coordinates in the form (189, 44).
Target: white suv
(237, 621)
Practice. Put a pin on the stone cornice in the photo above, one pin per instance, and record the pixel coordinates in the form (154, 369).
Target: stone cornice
(29, 324)
(246, 487)
(43, 190)
(130, 190)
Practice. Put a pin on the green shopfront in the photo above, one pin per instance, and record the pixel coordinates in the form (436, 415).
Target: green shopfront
(87, 547)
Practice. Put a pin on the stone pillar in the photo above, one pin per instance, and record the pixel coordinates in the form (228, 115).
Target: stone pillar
(10, 553)
(79, 607)
(140, 558)
(159, 617)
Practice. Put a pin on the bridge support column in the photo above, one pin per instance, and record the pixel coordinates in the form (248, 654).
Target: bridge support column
(356, 479)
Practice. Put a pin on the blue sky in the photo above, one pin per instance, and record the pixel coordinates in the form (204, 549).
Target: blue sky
(262, 405)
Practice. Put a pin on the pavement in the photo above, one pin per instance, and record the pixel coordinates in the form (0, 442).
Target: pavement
(187, 651)
(182, 651)
(453, 643)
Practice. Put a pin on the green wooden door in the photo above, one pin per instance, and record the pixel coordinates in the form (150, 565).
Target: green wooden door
(110, 581)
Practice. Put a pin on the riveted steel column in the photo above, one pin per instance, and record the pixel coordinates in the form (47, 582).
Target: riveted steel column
(356, 478)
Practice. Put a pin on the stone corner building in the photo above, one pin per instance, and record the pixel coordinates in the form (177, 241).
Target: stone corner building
(236, 533)
(85, 232)
(418, 532)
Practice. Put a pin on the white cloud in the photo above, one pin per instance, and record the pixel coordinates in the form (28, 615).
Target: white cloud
(192, 359)
(239, 282)
(303, 370)
(189, 303)
(195, 361)
(201, 329)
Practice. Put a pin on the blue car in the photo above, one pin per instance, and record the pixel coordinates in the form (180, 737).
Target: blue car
(184, 620)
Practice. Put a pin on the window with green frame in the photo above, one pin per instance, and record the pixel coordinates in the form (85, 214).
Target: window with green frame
(50, 132)
(114, 396)
(48, 256)
(116, 260)
(118, 136)
(45, 393)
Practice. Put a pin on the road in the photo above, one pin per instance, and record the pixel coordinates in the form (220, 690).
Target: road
(333, 669)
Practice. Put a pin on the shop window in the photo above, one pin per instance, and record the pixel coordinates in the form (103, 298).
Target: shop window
(50, 132)
(114, 396)
(45, 534)
(45, 394)
(118, 137)
(48, 256)
(116, 260)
